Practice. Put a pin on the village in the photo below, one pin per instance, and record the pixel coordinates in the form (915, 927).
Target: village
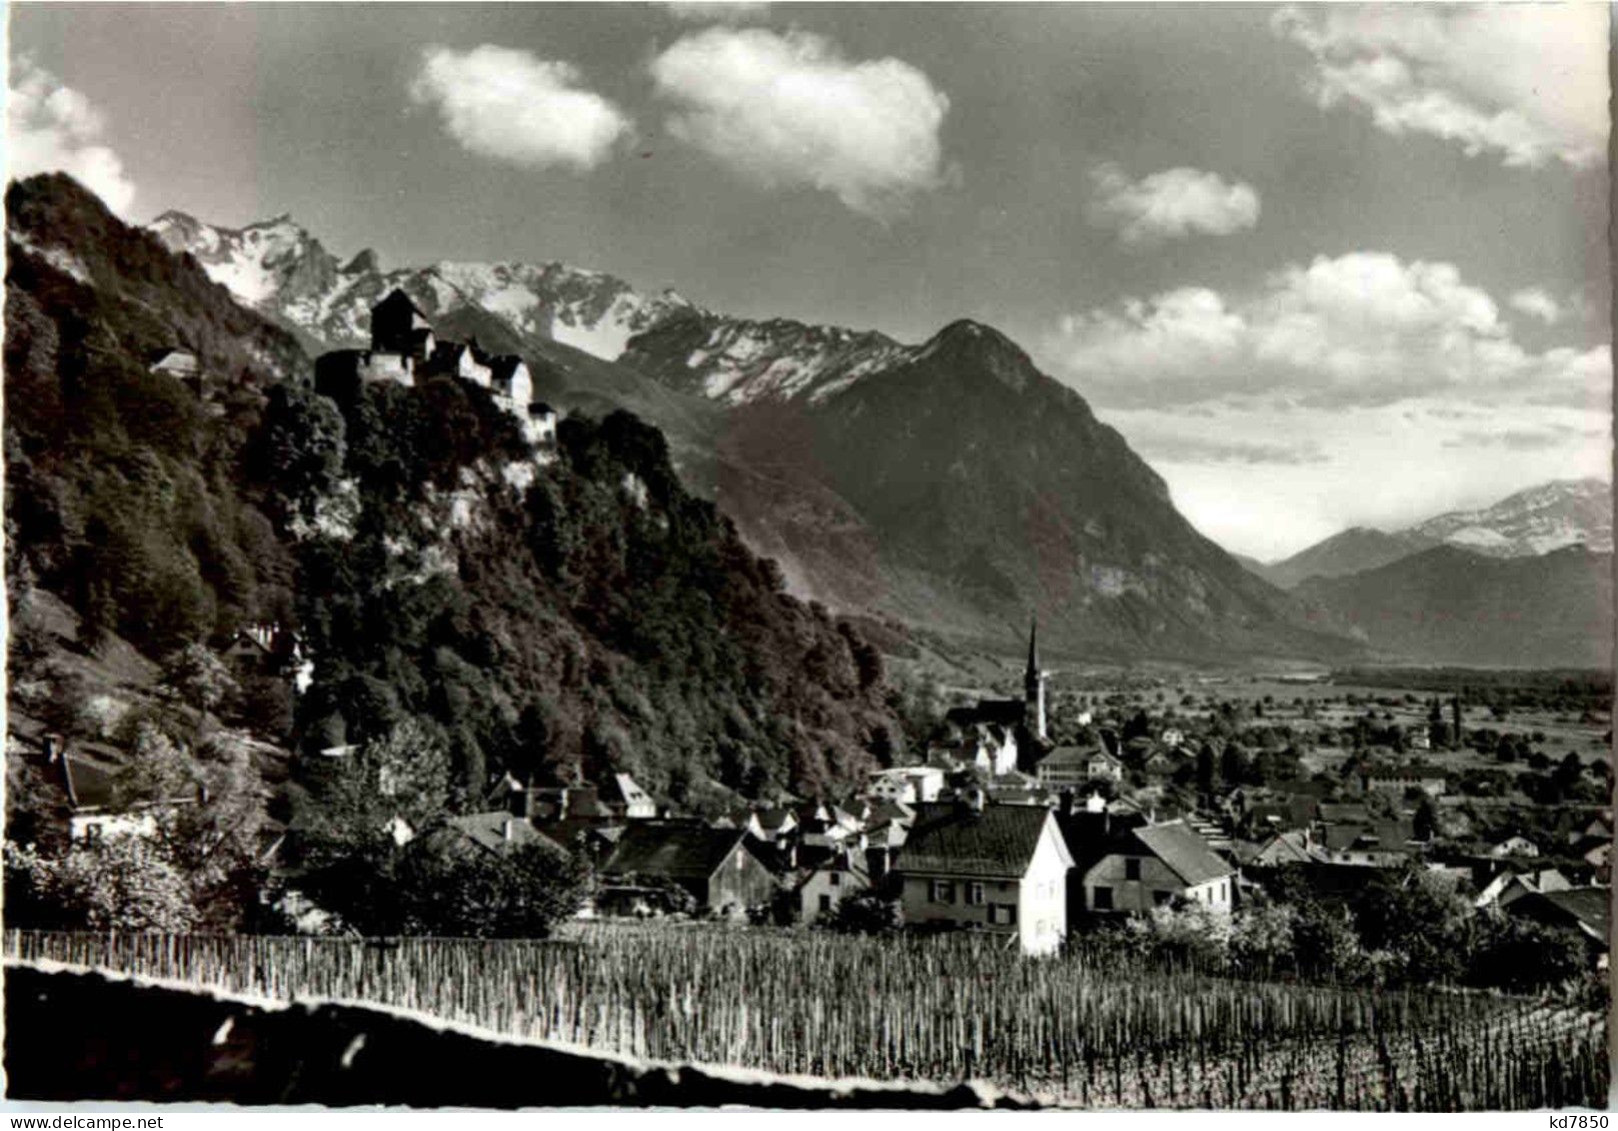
(1034, 821)
(1036, 817)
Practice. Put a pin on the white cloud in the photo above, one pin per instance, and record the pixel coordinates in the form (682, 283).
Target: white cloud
(1534, 302)
(511, 106)
(716, 11)
(53, 127)
(1527, 81)
(1170, 205)
(1363, 328)
(1284, 476)
(789, 110)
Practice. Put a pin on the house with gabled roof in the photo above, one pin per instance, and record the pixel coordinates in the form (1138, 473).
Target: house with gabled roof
(717, 867)
(1076, 765)
(1283, 848)
(624, 797)
(498, 830)
(997, 868)
(826, 885)
(1587, 910)
(1152, 865)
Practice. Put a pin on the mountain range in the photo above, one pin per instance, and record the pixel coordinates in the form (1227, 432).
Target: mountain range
(559, 615)
(1548, 517)
(949, 485)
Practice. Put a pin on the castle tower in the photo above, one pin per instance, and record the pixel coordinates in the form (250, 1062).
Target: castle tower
(1034, 686)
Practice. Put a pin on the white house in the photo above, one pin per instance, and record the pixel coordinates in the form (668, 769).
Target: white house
(906, 785)
(1514, 846)
(1151, 865)
(624, 795)
(999, 868)
(829, 884)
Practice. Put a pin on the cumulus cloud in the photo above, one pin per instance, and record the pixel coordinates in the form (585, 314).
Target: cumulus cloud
(509, 105)
(1172, 204)
(1362, 328)
(1537, 304)
(1526, 81)
(720, 11)
(790, 111)
(51, 127)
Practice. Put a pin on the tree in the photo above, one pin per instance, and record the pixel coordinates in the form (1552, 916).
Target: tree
(449, 886)
(300, 447)
(1262, 938)
(868, 913)
(1205, 769)
(121, 883)
(1521, 956)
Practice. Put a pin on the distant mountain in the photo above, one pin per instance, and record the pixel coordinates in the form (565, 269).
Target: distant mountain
(1447, 605)
(278, 268)
(950, 484)
(1532, 522)
(953, 484)
(1355, 549)
(1566, 512)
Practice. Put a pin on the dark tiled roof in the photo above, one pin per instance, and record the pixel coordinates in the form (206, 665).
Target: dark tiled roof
(1186, 854)
(1379, 836)
(1590, 906)
(1332, 812)
(504, 367)
(951, 839)
(1072, 756)
(89, 786)
(1006, 712)
(685, 852)
(489, 830)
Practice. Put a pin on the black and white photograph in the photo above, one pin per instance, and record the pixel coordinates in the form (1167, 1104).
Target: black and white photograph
(794, 556)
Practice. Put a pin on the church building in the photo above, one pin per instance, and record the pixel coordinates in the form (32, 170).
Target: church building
(1025, 717)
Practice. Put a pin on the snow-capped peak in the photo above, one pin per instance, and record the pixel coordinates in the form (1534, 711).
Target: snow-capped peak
(1534, 521)
(276, 266)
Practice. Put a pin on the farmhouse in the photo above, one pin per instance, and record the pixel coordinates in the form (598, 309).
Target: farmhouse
(1151, 865)
(624, 798)
(498, 831)
(827, 885)
(906, 785)
(1514, 846)
(1370, 843)
(717, 867)
(999, 868)
(1586, 910)
(1075, 765)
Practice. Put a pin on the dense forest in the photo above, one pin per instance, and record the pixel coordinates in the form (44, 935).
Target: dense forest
(552, 619)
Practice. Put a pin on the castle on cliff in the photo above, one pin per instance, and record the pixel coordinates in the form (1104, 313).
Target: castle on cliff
(405, 349)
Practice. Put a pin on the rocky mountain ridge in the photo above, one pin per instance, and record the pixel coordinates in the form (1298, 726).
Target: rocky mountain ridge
(948, 484)
(1529, 523)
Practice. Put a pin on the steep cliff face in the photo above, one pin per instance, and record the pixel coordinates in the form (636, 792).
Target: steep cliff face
(563, 618)
(971, 489)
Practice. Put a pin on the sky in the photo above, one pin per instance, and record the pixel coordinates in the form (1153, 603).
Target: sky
(1321, 266)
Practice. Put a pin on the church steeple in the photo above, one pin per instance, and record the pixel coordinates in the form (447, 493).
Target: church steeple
(1034, 685)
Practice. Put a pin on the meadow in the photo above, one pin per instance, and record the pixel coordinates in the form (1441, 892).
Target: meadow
(1077, 1030)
